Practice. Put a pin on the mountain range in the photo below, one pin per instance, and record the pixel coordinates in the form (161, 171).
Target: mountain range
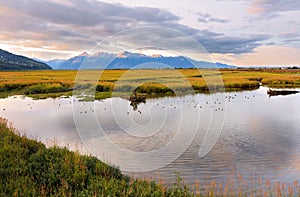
(102, 60)
(10, 61)
(128, 60)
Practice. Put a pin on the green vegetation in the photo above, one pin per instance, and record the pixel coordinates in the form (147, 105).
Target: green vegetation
(9, 61)
(149, 83)
(28, 168)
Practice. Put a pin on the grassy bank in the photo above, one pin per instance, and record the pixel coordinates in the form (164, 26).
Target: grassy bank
(43, 84)
(28, 168)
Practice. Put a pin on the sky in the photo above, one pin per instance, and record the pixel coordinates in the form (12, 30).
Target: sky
(238, 32)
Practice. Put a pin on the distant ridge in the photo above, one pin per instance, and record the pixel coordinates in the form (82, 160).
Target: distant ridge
(55, 64)
(128, 60)
(10, 61)
(73, 63)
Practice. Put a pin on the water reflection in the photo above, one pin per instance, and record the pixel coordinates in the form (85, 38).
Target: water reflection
(260, 136)
(135, 100)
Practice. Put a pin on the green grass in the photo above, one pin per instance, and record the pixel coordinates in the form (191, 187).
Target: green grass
(42, 84)
(28, 168)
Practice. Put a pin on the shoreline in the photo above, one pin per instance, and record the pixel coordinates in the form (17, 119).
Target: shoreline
(29, 168)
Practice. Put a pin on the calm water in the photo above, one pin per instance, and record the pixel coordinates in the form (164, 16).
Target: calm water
(259, 135)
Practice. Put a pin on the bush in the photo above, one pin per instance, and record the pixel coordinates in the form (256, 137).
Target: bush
(12, 87)
(45, 88)
(153, 89)
(103, 88)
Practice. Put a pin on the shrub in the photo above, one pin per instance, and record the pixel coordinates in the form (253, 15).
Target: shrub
(45, 88)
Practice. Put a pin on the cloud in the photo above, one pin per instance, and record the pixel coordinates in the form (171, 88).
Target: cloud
(269, 8)
(290, 38)
(236, 45)
(207, 18)
(272, 8)
(87, 12)
(291, 34)
(271, 55)
(221, 43)
(212, 42)
(78, 24)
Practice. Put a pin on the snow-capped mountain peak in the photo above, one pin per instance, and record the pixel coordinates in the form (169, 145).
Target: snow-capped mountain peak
(84, 54)
(130, 60)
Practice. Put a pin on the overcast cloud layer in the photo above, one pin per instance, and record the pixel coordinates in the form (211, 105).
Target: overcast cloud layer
(61, 26)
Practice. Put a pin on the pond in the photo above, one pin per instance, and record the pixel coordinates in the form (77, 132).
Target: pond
(202, 136)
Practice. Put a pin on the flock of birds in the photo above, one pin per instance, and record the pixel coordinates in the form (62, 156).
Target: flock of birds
(215, 105)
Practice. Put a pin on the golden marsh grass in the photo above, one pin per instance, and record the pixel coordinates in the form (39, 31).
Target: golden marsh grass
(52, 83)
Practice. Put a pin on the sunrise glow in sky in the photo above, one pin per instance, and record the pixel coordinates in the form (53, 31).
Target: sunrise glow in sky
(238, 32)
